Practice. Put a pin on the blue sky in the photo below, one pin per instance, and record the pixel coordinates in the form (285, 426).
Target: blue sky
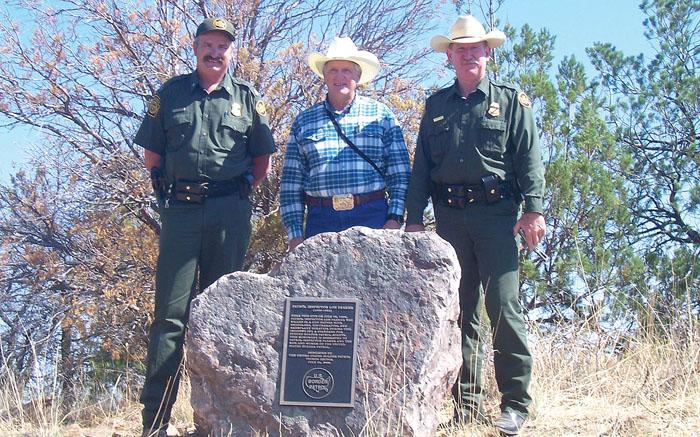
(576, 24)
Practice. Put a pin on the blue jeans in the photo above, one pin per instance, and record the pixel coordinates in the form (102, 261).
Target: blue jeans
(321, 219)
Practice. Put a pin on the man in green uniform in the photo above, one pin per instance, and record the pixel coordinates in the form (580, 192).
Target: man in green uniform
(477, 157)
(207, 144)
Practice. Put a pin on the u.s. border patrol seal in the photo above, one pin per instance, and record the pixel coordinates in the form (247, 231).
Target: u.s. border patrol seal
(318, 383)
(154, 106)
(524, 100)
(260, 108)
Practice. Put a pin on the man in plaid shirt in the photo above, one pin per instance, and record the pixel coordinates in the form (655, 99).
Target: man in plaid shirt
(326, 177)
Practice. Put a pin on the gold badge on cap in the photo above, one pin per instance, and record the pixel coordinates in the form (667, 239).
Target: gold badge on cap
(260, 108)
(524, 100)
(219, 23)
(236, 109)
(494, 109)
(154, 106)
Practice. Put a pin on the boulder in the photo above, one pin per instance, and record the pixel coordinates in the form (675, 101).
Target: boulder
(408, 340)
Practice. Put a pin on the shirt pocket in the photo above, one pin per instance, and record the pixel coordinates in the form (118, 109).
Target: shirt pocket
(178, 128)
(370, 139)
(312, 139)
(234, 131)
(439, 140)
(312, 148)
(492, 135)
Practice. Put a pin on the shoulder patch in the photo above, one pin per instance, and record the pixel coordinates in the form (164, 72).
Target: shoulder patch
(524, 100)
(154, 106)
(261, 108)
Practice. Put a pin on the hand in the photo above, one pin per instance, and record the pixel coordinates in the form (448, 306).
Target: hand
(533, 226)
(415, 228)
(392, 224)
(294, 242)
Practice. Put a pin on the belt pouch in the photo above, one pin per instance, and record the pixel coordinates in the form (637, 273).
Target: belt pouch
(189, 192)
(453, 196)
(492, 192)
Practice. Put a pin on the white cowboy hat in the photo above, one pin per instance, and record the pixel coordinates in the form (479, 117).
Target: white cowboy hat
(467, 29)
(343, 49)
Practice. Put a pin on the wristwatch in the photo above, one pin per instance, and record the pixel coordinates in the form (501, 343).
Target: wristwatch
(396, 217)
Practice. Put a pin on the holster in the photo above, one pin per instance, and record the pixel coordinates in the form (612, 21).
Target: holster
(245, 187)
(491, 187)
(158, 183)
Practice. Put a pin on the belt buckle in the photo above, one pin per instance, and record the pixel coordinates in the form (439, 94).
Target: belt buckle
(343, 202)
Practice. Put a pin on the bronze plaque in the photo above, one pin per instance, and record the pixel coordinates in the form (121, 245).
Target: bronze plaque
(318, 360)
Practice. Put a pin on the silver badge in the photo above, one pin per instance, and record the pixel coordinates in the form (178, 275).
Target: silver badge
(236, 109)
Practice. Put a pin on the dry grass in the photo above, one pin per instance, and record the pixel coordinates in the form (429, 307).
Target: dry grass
(651, 388)
(580, 387)
(26, 411)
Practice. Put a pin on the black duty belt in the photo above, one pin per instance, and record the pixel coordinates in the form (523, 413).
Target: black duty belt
(460, 195)
(345, 202)
(198, 191)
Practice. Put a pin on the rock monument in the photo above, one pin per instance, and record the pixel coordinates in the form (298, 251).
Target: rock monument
(408, 341)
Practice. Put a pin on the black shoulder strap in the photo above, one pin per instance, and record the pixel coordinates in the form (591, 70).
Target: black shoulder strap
(350, 143)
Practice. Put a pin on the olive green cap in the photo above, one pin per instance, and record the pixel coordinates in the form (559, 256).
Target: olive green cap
(216, 24)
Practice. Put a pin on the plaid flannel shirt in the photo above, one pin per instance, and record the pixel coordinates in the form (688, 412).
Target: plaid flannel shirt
(319, 163)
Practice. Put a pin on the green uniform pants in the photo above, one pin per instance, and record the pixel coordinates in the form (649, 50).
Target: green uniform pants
(209, 240)
(482, 236)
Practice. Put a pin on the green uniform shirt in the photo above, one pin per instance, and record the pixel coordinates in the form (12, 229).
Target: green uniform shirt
(462, 139)
(206, 136)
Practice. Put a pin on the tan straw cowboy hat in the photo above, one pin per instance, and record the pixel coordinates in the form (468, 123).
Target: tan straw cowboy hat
(467, 29)
(343, 49)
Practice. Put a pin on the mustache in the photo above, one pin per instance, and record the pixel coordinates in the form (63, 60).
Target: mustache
(215, 59)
